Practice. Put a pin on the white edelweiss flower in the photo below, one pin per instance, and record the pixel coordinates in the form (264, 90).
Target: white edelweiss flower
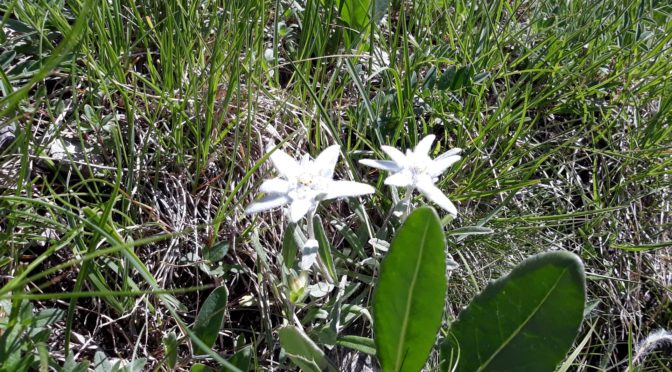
(304, 184)
(417, 170)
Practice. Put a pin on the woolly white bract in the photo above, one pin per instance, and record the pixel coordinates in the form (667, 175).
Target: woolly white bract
(417, 170)
(303, 184)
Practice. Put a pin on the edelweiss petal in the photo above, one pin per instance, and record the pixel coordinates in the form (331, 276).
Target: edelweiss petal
(275, 186)
(387, 165)
(416, 169)
(341, 189)
(424, 145)
(286, 166)
(300, 208)
(397, 156)
(304, 184)
(326, 161)
(433, 193)
(267, 202)
(399, 179)
(440, 164)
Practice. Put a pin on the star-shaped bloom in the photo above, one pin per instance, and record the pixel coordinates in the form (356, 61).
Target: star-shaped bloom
(303, 184)
(417, 170)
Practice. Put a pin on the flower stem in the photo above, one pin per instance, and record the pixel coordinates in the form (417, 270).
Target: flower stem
(311, 226)
(407, 201)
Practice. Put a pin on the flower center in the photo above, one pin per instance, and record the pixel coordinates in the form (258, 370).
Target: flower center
(418, 168)
(418, 165)
(307, 186)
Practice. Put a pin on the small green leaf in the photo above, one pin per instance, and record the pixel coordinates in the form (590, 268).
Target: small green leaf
(43, 355)
(456, 78)
(526, 320)
(47, 317)
(324, 247)
(361, 344)
(136, 365)
(409, 299)
(471, 230)
(101, 362)
(289, 246)
(210, 318)
(303, 351)
(170, 348)
(71, 366)
(241, 359)
(217, 251)
(198, 367)
(18, 26)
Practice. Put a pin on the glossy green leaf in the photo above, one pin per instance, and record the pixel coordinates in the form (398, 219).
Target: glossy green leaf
(210, 318)
(324, 247)
(525, 321)
(410, 296)
(303, 351)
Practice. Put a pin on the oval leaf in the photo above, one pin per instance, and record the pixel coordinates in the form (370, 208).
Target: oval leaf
(525, 321)
(210, 318)
(217, 251)
(303, 351)
(409, 298)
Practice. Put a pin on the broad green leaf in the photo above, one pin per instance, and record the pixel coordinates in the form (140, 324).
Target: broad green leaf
(409, 298)
(210, 318)
(357, 13)
(525, 321)
(303, 351)
(324, 247)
